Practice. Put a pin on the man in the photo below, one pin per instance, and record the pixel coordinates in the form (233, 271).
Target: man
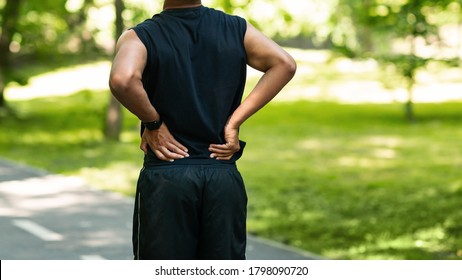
(182, 73)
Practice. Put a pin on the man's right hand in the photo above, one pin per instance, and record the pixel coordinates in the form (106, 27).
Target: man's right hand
(163, 144)
(227, 150)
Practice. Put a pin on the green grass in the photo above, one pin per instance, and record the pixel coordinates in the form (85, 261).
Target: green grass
(356, 181)
(343, 181)
(64, 135)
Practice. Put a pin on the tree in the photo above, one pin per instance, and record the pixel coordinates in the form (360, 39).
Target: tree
(10, 17)
(113, 125)
(414, 22)
(278, 19)
(379, 21)
(76, 25)
(40, 32)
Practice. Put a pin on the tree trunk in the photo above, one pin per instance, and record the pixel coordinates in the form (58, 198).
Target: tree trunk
(2, 91)
(2, 96)
(366, 34)
(409, 106)
(10, 17)
(113, 120)
(114, 117)
(459, 38)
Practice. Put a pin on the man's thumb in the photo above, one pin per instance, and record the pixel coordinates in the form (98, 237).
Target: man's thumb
(144, 146)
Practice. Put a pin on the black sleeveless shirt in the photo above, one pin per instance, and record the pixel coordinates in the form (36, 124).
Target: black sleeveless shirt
(195, 75)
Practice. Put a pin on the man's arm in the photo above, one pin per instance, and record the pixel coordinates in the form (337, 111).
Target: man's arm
(278, 66)
(126, 85)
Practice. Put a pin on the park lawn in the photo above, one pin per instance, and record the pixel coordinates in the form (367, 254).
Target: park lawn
(342, 181)
(356, 181)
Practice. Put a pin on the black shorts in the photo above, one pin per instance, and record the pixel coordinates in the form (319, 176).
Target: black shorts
(190, 212)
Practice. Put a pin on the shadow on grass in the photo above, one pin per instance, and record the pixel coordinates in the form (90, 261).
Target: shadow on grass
(64, 134)
(357, 223)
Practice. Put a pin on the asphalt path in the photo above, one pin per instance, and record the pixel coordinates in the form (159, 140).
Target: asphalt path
(53, 217)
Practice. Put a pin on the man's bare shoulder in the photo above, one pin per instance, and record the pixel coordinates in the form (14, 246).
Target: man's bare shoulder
(129, 37)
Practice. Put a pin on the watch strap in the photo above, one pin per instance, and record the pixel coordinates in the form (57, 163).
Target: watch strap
(154, 125)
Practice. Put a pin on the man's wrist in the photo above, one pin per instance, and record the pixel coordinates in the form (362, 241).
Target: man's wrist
(231, 126)
(153, 125)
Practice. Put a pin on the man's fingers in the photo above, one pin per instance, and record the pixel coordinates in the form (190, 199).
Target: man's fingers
(226, 151)
(177, 149)
(223, 151)
(180, 146)
(219, 148)
(167, 139)
(222, 156)
(161, 155)
(144, 147)
(163, 144)
(170, 155)
(166, 155)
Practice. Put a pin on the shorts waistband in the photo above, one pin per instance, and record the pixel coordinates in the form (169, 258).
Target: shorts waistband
(191, 164)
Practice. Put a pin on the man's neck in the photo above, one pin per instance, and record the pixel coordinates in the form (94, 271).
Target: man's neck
(176, 4)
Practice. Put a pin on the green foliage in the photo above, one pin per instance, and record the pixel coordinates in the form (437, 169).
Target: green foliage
(42, 25)
(229, 6)
(363, 26)
(275, 18)
(373, 22)
(405, 65)
(357, 27)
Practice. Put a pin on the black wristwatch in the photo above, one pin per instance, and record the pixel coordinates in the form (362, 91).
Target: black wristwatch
(154, 125)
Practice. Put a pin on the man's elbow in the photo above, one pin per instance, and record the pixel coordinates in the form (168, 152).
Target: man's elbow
(290, 65)
(120, 83)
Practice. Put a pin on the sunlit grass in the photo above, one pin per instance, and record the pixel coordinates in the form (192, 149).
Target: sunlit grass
(332, 179)
(119, 176)
(63, 81)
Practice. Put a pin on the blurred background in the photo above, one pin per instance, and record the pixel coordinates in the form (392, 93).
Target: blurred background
(360, 156)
